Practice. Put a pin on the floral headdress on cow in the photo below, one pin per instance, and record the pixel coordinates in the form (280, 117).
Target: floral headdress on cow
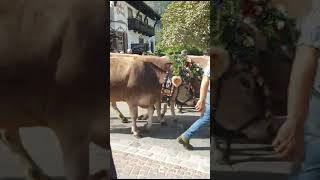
(184, 67)
(247, 27)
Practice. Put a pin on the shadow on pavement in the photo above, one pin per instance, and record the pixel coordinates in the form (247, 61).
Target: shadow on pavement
(227, 175)
(171, 131)
(201, 148)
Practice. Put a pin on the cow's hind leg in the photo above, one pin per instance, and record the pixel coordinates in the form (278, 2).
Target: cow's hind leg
(134, 115)
(12, 140)
(145, 116)
(120, 115)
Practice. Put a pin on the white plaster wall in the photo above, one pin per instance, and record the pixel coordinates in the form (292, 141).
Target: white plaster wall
(133, 37)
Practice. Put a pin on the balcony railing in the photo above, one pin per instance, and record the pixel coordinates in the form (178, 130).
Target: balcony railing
(137, 25)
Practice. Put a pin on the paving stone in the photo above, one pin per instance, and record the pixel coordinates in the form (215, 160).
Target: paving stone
(157, 149)
(145, 147)
(173, 160)
(135, 144)
(183, 156)
(157, 169)
(144, 153)
(189, 164)
(131, 150)
(204, 168)
(172, 152)
(158, 157)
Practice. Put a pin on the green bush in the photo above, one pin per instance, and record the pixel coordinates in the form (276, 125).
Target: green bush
(177, 50)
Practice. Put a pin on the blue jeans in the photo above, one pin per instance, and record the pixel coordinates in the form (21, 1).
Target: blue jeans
(203, 120)
(310, 168)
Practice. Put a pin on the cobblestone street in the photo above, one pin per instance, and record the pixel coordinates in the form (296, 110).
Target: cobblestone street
(157, 154)
(139, 167)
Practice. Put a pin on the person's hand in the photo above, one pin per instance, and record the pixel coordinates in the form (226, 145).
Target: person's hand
(200, 105)
(289, 141)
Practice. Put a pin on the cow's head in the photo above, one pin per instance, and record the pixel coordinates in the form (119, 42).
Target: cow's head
(186, 94)
(241, 103)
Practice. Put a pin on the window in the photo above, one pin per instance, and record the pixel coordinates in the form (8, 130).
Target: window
(140, 17)
(130, 13)
(140, 40)
(146, 20)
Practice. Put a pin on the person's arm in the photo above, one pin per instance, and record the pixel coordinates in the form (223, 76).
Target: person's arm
(204, 88)
(203, 93)
(290, 135)
(301, 81)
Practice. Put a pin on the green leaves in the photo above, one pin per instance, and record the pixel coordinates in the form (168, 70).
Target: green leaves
(186, 23)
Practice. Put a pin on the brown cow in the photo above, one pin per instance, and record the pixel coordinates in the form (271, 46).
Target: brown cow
(181, 93)
(146, 59)
(53, 74)
(128, 79)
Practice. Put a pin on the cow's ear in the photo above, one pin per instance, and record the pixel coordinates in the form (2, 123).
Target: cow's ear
(167, 66)
(220, 60)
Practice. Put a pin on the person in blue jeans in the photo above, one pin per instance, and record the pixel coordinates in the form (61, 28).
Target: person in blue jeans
(203, 104)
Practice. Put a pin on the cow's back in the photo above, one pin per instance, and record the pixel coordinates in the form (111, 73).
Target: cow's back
(201, 60)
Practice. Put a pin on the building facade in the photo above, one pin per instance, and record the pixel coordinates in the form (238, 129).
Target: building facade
(132, 26)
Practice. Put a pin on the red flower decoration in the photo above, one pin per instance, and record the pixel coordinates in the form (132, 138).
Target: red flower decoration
(251, 9)
(248, 9)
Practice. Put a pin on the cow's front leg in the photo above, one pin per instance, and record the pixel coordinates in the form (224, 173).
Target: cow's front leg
(75, 150)
(134, 115)
(164, 110)
(173, 113)
(12, 140)
(120, 115)
(159, 115)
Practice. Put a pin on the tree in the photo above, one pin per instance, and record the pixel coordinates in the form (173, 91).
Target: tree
(186, 24)
(158, 6)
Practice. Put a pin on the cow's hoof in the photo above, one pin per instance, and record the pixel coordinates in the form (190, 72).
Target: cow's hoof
(220, 157)
(124, 120)
(143, 117)
(163, 123)
(137, 135)
(36, 174)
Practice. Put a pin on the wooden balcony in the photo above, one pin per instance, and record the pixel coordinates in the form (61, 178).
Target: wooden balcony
(137, 25)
